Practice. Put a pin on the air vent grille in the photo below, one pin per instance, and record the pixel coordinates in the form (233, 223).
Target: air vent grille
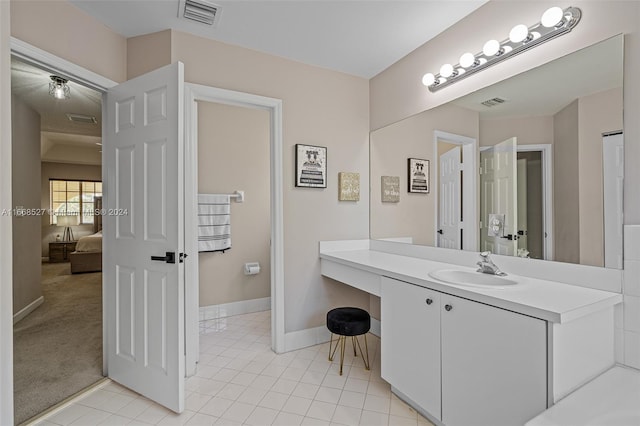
(200, 11)
(81, 118)
(493, 102)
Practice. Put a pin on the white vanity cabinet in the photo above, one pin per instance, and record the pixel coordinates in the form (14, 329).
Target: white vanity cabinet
(410, 359)
(462, 362)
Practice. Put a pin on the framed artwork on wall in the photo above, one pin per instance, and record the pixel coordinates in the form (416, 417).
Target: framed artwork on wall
(418, 175)
(390, 189)
(348, 186)
(311, 166)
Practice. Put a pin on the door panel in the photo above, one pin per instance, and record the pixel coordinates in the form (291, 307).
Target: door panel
(449, 203)
(144, 174)
(410, 339)
(498, 195)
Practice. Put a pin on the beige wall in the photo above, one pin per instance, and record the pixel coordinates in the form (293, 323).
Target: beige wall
(27, 266)
(535, 240)
(321, 107)
(391, 146)
(62, 171)
(597, 114)
(528, 130)
(566, 185)
(66, 31)
(233, 154)
(147, 52)
(397, 92)
(73, 154)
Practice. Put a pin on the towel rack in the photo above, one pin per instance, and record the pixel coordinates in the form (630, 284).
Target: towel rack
(238, 196)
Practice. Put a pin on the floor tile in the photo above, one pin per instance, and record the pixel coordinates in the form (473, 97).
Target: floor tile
(262, 416)
(274, 400)
(240, 381)
(297, 405)
(321, 410)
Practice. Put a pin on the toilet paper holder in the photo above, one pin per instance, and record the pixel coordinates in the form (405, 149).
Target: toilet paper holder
(251, 268)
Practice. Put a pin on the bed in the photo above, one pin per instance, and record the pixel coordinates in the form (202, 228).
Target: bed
(88, 254)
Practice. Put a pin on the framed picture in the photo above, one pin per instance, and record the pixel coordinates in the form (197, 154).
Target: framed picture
(348, 186)
(418, 175)
(311, 166)
(390, 189)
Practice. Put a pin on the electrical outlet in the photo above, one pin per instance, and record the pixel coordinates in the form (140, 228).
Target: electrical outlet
(495, 226)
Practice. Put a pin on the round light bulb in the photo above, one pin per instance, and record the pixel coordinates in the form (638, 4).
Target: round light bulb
(552, 17)
(59, 92)
(491, 48)
(428, 79)
(467, 60)
(446, 70)
(518, 33)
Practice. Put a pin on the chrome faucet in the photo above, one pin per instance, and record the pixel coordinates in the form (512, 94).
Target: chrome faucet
(487, 266)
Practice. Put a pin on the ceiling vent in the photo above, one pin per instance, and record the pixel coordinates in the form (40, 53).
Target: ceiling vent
(81, 118)
(493, 102)
(201, 11)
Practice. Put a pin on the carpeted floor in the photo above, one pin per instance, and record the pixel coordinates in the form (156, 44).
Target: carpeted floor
(58, 347)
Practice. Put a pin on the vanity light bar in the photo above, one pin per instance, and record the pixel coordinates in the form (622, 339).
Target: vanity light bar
(554, 23)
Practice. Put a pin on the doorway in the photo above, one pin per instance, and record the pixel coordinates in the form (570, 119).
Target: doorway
(56, 166)
(456, 212)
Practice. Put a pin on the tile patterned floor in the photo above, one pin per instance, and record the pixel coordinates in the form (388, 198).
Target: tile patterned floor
(240, 381)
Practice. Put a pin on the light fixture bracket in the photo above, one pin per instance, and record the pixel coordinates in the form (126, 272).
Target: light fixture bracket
(538, 34)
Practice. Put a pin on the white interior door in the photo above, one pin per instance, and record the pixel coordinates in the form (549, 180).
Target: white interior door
(522, 204)
(449, 204)
(498, 195)
(143, 161)
(613, 175)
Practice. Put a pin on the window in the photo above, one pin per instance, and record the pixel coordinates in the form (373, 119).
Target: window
(73, 197)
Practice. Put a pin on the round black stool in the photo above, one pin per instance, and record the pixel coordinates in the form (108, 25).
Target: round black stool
(348, 322)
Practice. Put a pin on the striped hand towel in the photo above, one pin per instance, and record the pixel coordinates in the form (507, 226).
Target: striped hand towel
(214, 222)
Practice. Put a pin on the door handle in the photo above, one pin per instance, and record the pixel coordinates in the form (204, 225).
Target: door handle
(170, 257)
(440, 231)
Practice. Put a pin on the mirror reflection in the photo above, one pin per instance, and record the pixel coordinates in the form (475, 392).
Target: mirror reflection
(531, 166)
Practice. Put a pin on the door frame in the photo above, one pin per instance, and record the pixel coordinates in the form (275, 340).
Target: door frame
(198, 92)
(55, 64)
(470, 188)
(546, 159)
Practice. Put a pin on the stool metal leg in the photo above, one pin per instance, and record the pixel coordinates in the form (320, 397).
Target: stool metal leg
(343, 340)
(331, 354)
(365, 360)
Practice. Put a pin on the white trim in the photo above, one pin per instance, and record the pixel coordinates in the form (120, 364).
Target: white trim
(547, 186)
(197, 92)
(45, 60)
(295, 340)
(6, 240)
(470, 223)
(27, 309)
(52, 63)
(234, 308)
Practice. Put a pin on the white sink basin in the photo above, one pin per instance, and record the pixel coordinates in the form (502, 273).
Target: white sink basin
(476, 279)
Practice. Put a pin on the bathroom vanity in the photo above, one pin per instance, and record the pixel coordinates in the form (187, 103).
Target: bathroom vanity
(476, 353)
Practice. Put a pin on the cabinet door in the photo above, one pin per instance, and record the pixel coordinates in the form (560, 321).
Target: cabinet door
(494, 365)
(410, 342)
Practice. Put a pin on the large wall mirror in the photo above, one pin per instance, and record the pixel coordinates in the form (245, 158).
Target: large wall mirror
(531, 166)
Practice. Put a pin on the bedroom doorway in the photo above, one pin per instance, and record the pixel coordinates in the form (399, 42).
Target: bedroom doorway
(57, 256)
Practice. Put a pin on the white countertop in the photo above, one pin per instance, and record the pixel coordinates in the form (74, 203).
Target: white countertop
(610, 399)
(547, 300)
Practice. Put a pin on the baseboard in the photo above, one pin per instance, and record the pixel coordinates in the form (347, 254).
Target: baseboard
(234, 308)
(314, 336)
(305, 338)
(28, 309)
